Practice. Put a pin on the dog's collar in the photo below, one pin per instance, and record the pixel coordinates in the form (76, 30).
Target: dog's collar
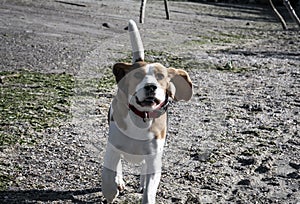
(160, 110)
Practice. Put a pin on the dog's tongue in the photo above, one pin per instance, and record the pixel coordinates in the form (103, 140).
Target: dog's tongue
(149, 102)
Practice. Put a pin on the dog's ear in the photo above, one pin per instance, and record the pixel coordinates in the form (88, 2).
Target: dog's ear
(181, 87)
(120, 70)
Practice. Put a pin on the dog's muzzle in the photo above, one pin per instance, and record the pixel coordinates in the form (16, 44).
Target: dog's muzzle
(160, 110)
(149, 96)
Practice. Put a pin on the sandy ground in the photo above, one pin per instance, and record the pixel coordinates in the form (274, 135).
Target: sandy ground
(236, 141)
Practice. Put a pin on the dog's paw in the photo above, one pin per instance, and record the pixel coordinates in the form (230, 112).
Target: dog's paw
(121, 187)
(140, 189)
(142, 184)
(121, 184)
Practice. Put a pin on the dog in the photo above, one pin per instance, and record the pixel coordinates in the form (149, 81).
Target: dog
(138, 119)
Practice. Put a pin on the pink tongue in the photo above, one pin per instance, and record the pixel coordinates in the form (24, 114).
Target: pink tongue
(148, 102)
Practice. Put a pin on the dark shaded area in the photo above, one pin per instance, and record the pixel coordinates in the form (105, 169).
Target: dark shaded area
(263, 54)
(25, 196)
(277, 2)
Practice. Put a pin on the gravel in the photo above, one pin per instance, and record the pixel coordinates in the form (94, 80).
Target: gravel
(236, 141)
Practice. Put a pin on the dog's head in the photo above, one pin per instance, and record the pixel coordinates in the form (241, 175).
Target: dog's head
(148, 86)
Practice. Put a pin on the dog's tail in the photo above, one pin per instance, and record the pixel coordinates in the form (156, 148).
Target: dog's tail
(136, 42)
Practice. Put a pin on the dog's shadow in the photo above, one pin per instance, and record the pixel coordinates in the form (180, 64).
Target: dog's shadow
(36, 196)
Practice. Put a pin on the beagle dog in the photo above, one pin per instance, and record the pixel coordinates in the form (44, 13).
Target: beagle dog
(138, 119)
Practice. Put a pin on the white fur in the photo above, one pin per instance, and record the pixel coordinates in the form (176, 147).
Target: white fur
(134, 150)
(140, 93)
(136, 42)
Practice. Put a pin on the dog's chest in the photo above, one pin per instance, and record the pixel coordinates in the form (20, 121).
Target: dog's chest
(135, 143)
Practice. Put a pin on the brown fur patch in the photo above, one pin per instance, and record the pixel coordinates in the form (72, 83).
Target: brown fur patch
(159, 127)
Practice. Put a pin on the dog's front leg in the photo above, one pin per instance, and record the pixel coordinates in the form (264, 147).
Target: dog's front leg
(112, 181)
(151, 178)
(152, 182)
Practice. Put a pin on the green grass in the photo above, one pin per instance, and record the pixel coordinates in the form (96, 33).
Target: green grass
(107, 82)
(4, 180)
(219, 38)
(29, 103)
(165, 58)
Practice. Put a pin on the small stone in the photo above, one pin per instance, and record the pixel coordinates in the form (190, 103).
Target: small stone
(189, 176)
(295, 165)
(262, 169)
(245, 161)
(228, 66)
(271, 181)
(293, 175)
(192, 199)
(244, 182)
(175, 200)
(201, 156)
(252, 107)
(106, 25)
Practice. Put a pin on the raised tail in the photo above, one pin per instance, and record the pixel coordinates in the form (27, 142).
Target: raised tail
(136, 42)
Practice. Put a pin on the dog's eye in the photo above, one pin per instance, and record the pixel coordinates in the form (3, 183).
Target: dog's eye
(138, 75)
(160, 76)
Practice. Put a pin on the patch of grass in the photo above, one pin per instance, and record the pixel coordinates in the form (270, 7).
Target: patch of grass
(218, 38)
(170, 60)
(4, 180)
(107, 82)
(229, 67)
(180, 62)
(229, 38)
(31, 101)
(165, 58)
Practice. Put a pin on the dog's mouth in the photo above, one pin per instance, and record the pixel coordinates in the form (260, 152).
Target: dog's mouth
(149, 101)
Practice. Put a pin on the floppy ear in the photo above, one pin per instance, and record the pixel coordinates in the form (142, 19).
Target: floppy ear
(181, 87)
(120, 70)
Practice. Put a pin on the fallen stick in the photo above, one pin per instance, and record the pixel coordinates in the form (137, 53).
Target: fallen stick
(71, 3)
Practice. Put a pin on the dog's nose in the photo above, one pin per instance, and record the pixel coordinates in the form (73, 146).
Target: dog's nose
(150, 87)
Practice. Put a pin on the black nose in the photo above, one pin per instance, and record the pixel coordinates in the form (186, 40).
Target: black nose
(150, 88)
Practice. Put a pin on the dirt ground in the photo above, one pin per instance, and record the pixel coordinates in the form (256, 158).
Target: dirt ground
(236, 141)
